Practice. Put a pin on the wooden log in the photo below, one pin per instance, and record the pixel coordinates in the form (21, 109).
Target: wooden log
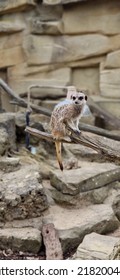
(109, 118)
(93, 106)
(105, 151)
(51, 242)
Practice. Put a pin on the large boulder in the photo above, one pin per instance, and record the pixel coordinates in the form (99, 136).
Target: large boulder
(22, 194)
(74, 224)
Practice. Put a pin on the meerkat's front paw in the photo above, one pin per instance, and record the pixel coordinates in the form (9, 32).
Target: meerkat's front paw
(77, 131)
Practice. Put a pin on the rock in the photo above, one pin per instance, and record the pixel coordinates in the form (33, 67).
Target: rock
(7, 52)
(22, 195)
(74, 224)
(6, 44)
(86, 78)
(62, 49)
(116, 206)
(7, 122)
(96, 247)
(113, 60)
(115, 255)
(6, 57)
(4, 141)
(60, 77)
(109, 83)
(79, 151)
(26, 223)
(50, 27)
(48, 12)
(88, 62)
(21, 239)
(7, 6)
(96, 196)
(8, 164)
(100, 18)
(88, 177)
(8, 27)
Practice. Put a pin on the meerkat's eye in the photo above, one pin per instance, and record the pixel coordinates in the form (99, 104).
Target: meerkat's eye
(86, 97)
(80, 98)
(73, 97)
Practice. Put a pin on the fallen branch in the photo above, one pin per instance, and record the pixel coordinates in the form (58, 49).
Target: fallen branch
(105, 151)
(85, 127)
(108, 117)
(99, 131)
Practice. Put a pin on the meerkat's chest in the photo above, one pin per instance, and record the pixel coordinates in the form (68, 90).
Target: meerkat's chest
(77, 110)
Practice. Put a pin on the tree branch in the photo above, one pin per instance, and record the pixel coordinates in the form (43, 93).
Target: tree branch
(109, 118)
(106, 151)
(85, 127)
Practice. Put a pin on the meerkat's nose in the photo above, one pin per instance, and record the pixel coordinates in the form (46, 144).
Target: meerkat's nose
(76, 102)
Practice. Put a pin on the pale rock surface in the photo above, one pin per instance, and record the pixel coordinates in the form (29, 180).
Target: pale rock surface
(53, 49)
(22, 239)
(7, 6)
(90, 176)
(113, 60)
(96, 247)
(8, 27)
(22, 194)
(101, 17)
(86, 78)
(74, 224)
(59, 77)
(109, 83)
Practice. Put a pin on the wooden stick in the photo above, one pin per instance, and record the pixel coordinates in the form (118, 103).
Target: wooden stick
(51, 242)
(99, 131)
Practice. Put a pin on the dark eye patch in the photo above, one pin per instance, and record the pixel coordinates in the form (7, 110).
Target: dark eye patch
(73, 97)
(86, 97)
(80, 98)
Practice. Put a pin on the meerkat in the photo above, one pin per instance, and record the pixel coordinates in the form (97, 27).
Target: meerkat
(68, 111)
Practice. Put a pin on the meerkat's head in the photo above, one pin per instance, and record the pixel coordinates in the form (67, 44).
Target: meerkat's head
(79, 97)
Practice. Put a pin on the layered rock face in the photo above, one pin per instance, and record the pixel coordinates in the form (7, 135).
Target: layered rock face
(60, 43)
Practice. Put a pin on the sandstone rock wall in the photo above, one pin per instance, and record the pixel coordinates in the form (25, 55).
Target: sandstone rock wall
(60, 42)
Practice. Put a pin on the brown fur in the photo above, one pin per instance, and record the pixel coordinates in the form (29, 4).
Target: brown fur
(65, 113)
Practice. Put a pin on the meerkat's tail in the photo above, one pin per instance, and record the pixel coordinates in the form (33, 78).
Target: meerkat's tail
(58, 152)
